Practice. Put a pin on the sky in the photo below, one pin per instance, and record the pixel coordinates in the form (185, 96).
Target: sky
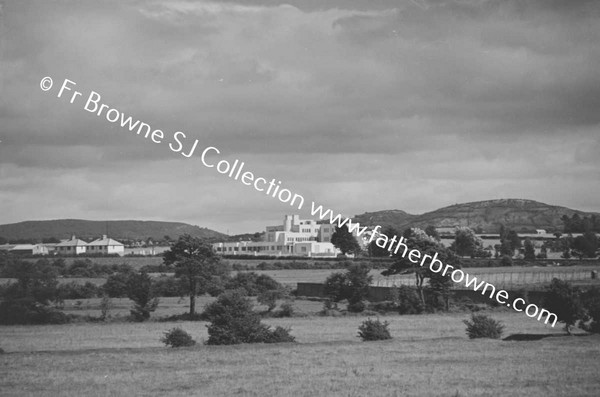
(356, 105)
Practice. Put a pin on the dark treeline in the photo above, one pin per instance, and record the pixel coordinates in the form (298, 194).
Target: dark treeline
(577, 224)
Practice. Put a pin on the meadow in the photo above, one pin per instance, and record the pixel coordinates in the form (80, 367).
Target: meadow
(430, 355)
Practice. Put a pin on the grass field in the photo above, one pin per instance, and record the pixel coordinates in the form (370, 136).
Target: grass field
(429, 356)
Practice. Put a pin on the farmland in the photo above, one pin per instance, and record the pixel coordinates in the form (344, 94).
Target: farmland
(429, 355)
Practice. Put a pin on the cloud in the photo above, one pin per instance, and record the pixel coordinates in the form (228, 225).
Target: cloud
(362, 105)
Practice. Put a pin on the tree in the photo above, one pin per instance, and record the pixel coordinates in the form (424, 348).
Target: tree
(564, 300)
(343, 240)
(432, 232)
(466, 243)
(196, 264)
(352, 285)
(585, 245)
(139, 290)
(377, 251)
(529, 250)
(509, 241)
(358, 280)
(418, 239)
(36, 281)
(232, 321)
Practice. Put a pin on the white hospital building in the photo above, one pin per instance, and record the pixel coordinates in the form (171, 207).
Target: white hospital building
(295, 236)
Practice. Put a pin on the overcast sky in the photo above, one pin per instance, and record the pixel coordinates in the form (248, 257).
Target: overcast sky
(357, 105)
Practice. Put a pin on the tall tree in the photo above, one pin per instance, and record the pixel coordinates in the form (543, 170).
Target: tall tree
(343, 240)
(466, 243)
(377, 251)
(418, 239)
(529, 250)
(139, 290)
(196, 264)
(585, 245)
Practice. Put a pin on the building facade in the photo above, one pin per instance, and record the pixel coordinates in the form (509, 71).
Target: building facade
(106, 246)
(294, 237)
(74, 246)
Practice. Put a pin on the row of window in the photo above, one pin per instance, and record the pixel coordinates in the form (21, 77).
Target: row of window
(250, 249)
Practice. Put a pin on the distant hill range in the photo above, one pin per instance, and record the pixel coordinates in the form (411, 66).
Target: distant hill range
(487, 216)
(126, 230)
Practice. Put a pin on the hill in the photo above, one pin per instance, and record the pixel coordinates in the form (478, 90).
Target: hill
(518, 214)
(385, 218)
(126, 230)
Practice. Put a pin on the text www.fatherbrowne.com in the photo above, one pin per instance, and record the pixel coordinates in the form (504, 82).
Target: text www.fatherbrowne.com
(395, 245)
(177, 142)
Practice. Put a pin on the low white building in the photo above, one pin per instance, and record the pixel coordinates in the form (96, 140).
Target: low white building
(106, 246)
(297, 237)
(29, 249)
(74, 246)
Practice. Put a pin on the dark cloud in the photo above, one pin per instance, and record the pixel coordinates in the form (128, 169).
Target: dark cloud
(362, 105)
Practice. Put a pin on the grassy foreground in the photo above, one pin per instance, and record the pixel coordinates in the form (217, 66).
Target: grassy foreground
(430, 355)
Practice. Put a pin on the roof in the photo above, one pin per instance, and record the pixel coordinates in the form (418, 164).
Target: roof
(105, 241)
(20, 247)
(74, 242)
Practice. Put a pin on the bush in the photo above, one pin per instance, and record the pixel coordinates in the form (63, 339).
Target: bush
(564, 300)
(233, 321)
(253, 283)
(591, 302)
(506, 261)
(383, 307)
(73, 290)
(279, 335)
(28, 312)
(409, 301)
(357, 307)
(371, 330)
(177, 337)
(482, 326)
(269, 298)
(286, 310)
(168, 286)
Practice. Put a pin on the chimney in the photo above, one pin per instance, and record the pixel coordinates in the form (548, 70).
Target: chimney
(104, 237)
(73, 237)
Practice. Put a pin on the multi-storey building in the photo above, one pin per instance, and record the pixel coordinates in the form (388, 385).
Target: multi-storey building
(294, 237)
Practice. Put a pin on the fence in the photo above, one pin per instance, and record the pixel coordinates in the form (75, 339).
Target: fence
(504, 280)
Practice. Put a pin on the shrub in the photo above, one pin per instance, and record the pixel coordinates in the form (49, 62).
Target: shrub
(371, 330)
(139, 290)
(591, 302)
(383, 307)
(168, 286)
(357, 307)
(106, 306)
(564, 300)
(253, 283)
(26, 311)
(177, 337)
(233, 321)
(279, 335)
(286, 310)
(506, 261)
(409, 301)
(269, 298)
(482, 326)
(73, 290)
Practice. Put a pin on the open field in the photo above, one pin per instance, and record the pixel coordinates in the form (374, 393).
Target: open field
(429, 356)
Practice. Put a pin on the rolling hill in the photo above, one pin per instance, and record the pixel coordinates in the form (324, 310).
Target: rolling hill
(518, 214)
(127, 230)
